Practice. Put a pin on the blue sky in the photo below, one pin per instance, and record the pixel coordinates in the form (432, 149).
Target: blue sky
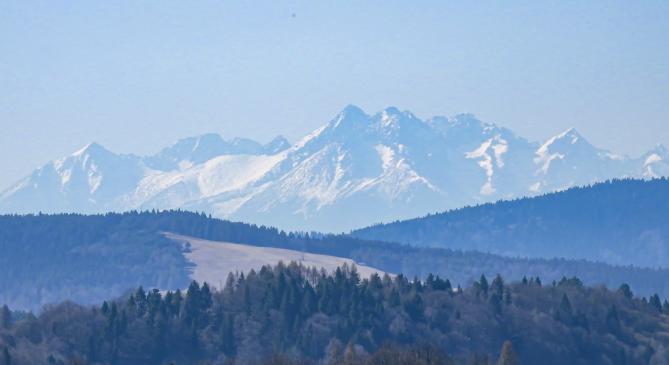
(136, 75)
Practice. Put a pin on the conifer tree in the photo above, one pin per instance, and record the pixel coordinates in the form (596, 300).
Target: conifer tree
(497, 286)
(6, 357)
(5, 317)
(507, 356)
(205, 296)
(625, 291)
(655, 302)
(482, 285)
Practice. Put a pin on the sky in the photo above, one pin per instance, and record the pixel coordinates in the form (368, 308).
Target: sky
(135, 76)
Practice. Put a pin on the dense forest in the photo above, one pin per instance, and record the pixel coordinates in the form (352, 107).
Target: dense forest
(86, 259)
(620, 222)
(289, 314)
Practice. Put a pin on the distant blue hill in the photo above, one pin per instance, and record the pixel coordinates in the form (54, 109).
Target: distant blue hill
(87, 258)
(624, 222)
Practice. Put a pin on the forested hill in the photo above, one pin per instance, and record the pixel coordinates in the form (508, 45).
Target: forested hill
(293, 315)
(621, 222)
(50, 258)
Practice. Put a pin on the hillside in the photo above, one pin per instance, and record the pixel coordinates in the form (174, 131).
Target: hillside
(304, 316)
(212, 261)
(355, 170)
(621, 222)
(50, 258)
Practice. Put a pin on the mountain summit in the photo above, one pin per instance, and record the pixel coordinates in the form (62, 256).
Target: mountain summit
(355, 170)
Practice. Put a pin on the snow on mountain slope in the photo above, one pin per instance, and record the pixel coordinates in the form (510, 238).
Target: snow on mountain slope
(173, 189)
(91, 179)
(196, 150)
(214, 260)
(490, 154)
(568, 159)
(656, 162)
(355, 170)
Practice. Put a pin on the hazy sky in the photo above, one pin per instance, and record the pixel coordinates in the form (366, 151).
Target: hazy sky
(137, 75)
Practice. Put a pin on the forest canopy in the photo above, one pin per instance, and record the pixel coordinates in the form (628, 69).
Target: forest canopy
(289, 314)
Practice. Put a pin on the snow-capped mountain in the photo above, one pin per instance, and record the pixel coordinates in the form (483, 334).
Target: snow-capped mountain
(356, 170)
(192, 151)
(92, 179)
(656, 162)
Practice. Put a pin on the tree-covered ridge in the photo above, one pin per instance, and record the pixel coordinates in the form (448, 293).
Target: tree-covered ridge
(621, 221)
(87, 258)
(306, 315)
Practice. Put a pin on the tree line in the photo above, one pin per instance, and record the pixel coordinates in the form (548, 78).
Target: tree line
(290, 314)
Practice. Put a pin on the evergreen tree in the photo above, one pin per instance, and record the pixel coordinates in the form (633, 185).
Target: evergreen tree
(655, 302)
(507, 297)
(228, 335)
(140, 299)
(6, 357)
(625, 291)
(5, 317)
(565, 305)
(205, 296)
(192, 307)
(497, 285)
(507, 355)
(612, 319)
(496, 303)
(482, 285)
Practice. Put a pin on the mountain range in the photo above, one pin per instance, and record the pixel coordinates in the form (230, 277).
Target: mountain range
(355, 170)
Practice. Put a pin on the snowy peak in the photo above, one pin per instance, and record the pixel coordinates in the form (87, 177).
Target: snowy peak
(188, 151)
(87, 180)
(349, 119)
(467, 130)
(568, 145)
(564, 141)
(392, 119)
(276, 145)
(656, 162)
(92, 149)
(191, 151)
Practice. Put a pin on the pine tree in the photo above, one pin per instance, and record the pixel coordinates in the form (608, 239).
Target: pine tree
(655, 302)
(507, 356)
(5, 317)
(612, 319)
(497, 286)
(105, 308)
(507, 297)
(205, 297)
(482, 286)
(625, 291)
(496, 303)
(565, 305)
(140, 299)
(228, 335)
(192, 304)
(6, 357)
